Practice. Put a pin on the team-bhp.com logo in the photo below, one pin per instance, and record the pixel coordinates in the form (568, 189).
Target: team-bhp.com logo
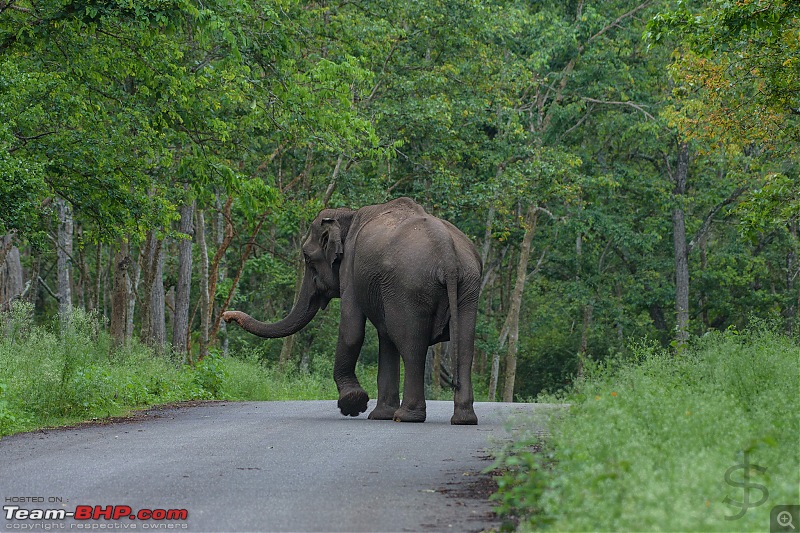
(97, 512)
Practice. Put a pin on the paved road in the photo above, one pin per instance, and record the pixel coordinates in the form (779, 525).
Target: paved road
(260, 466)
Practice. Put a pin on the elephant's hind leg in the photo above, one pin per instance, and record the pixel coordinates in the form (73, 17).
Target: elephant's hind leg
(388, 380)
(414, 350)
(463, 412)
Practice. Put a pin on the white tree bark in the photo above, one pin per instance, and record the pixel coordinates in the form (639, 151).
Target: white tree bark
(205, 319)
(64, 261)
(11, 284)
(180, 328)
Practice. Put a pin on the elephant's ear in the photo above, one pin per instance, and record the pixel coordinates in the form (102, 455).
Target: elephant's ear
(332, 240)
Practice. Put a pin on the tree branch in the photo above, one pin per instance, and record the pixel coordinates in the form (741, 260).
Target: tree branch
(332, 185)
(47, 288)
(638, 107)
(247, 251)
(578, 124)
(10, 5)
(619, 19)
(701, 233)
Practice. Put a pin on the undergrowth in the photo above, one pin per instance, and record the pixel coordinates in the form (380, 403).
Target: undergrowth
(646, 444)
(50, 377)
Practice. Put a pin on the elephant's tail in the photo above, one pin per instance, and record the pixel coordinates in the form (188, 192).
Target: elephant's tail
(451, 281)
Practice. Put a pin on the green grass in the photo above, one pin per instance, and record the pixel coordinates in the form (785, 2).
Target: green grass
(246, 379)
(51, 379)
(645, 445)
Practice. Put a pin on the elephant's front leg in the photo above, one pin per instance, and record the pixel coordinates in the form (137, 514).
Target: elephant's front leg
(352, 397)
(388, 380)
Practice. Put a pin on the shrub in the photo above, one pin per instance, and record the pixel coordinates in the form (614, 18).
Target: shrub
(49, 378)
(646, 443)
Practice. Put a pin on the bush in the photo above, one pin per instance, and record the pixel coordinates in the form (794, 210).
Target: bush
(49, 378)
(60, 378)
(646, 443)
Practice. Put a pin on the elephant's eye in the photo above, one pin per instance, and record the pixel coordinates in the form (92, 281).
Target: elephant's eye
(307, 258)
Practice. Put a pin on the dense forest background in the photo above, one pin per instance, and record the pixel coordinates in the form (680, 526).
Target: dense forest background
(626, 169)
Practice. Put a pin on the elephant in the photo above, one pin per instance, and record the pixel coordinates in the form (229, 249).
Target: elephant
(414, 276)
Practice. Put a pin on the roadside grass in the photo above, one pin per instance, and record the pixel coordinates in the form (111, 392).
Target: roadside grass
(51, 378)
(247, 380)
(647, 443)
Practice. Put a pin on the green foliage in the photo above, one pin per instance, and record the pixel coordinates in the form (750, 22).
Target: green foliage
(48, 379)
(7, 419)
(737, 87)
(477, 109)
(646, 442)
(210, 374)
(56, 379)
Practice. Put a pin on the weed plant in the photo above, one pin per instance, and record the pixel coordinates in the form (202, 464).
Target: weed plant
(50, 377)
(658, 442)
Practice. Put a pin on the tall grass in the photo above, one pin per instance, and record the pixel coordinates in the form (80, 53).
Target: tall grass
(646, 445)
(51, 378)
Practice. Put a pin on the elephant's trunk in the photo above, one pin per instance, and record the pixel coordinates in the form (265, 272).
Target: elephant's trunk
(306, 307)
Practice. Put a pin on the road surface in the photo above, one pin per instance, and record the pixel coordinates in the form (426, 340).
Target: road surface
(257, 466)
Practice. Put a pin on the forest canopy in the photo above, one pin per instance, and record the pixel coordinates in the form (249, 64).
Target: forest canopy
(626, 169)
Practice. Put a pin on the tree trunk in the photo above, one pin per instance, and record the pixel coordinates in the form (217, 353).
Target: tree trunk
(429, 372)
(119, 293)
(153, 322)
(516, 304)
(791, 271)
(133, 288)
(169, 307)
(588, 310)
(157, 305)
(11, 285)
(98, 264)
(681, 248)
(205, 320)
(703, 301)
(620, 317)
(222, 238)
(579, 265)
(286, 352)
(36, 266)
(180, 328)
(64, 261)
(494, 375)
(288, 342)
(436, 381)
(79, 284)
(217, 267)
(145, 254)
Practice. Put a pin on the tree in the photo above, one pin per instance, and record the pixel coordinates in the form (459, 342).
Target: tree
(64, 252)
(180, 331)
(738, 88)
(11, 284)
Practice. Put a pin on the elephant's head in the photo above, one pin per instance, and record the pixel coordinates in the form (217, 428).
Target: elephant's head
(322, 253)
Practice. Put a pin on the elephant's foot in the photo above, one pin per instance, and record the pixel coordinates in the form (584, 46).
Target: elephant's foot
(383, 412)
(353, 402)
(409, 415)
(464, 416)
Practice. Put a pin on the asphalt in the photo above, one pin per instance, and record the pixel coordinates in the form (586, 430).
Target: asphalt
(260, 466)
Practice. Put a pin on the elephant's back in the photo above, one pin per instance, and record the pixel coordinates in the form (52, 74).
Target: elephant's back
(412, 250)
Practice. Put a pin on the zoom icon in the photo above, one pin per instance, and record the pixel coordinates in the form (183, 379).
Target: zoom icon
(784, 518)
